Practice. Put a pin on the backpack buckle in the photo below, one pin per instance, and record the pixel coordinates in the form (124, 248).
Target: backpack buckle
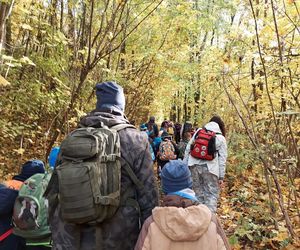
(98, 199)
(106, 158)
(111, 157)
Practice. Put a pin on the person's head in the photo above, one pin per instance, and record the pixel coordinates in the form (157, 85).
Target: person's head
(217, 119)
(187, 136)
(143, 127)
(166, 136)
(152, 119)
(110, 96)
(30, 168)
(175, 176)
(165, 124)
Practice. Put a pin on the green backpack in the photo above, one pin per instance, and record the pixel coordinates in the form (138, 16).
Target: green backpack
(30, 214)
(89, 175)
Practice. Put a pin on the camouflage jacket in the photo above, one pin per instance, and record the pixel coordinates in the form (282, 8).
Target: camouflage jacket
(122, 230)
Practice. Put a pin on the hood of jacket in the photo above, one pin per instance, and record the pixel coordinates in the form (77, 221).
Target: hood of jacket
(182, 224)
(94, 119)
(213, 126)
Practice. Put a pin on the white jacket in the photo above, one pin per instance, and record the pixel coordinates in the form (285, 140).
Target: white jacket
(218, 165)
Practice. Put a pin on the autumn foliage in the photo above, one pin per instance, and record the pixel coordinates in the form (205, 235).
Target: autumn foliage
(180, 60)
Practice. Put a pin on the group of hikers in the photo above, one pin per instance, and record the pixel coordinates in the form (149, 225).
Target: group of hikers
(102, 192)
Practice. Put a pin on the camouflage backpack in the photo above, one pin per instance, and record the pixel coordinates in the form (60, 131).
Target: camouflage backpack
(88, 175)
(30, 214)
(166, 151)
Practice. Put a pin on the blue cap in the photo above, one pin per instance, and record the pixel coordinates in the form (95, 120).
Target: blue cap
(30, 168)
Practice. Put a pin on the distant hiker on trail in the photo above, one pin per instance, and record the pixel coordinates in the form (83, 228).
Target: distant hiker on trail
(164, 126)
(103, 187)
(181, 222)
(183, 143)
(171, 129)
(177, 128)
(186, 127)
(206, 155)
(167, 151)
(143, 129)
(8, 193)
(152, 127)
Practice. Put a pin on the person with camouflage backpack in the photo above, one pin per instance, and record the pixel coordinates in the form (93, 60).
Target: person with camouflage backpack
(103, 187)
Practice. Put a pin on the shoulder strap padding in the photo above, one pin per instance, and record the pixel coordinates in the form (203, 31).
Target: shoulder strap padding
(132, 175)
(121, 126)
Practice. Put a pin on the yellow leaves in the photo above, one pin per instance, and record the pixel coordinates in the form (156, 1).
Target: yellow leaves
(26, 60)
(3, 82)
(281, 236)
(110, 35)
(26, 27)
(30, 141)
(290, 1)
(297, 182)
(20, 151)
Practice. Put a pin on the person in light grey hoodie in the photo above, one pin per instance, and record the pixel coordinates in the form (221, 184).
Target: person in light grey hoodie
(208, 175)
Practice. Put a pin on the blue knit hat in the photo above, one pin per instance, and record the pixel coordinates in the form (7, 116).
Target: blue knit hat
(30, 168)
(175, 176)
(110, 95)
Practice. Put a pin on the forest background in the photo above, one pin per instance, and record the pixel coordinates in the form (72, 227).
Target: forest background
(179, 60)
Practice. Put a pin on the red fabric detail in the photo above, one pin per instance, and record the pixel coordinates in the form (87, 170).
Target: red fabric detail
(6, 234)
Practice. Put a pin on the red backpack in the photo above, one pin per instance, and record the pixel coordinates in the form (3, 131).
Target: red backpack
(204, 146)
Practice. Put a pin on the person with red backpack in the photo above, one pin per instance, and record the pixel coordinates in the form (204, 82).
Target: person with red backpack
(206, 155)
(8, 193)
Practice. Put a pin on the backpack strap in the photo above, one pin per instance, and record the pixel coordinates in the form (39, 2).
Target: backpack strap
(6, 234)
(51, 193)
(122, 126)
(126, 166)
(132, 175)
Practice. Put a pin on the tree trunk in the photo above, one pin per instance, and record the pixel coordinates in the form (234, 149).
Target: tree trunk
(5, 10)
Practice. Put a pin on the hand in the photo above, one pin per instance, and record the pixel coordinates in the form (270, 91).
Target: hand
(221, 184)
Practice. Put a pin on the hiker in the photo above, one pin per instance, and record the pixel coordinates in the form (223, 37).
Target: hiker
(125, 196)
(206, 155)
(181, 222)
(8, 194)
(177, 128)
(186, 127)
(183, 143)
(168, 150)
(170, 129)
(164, 126)
(152, 127)
(143, 129)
